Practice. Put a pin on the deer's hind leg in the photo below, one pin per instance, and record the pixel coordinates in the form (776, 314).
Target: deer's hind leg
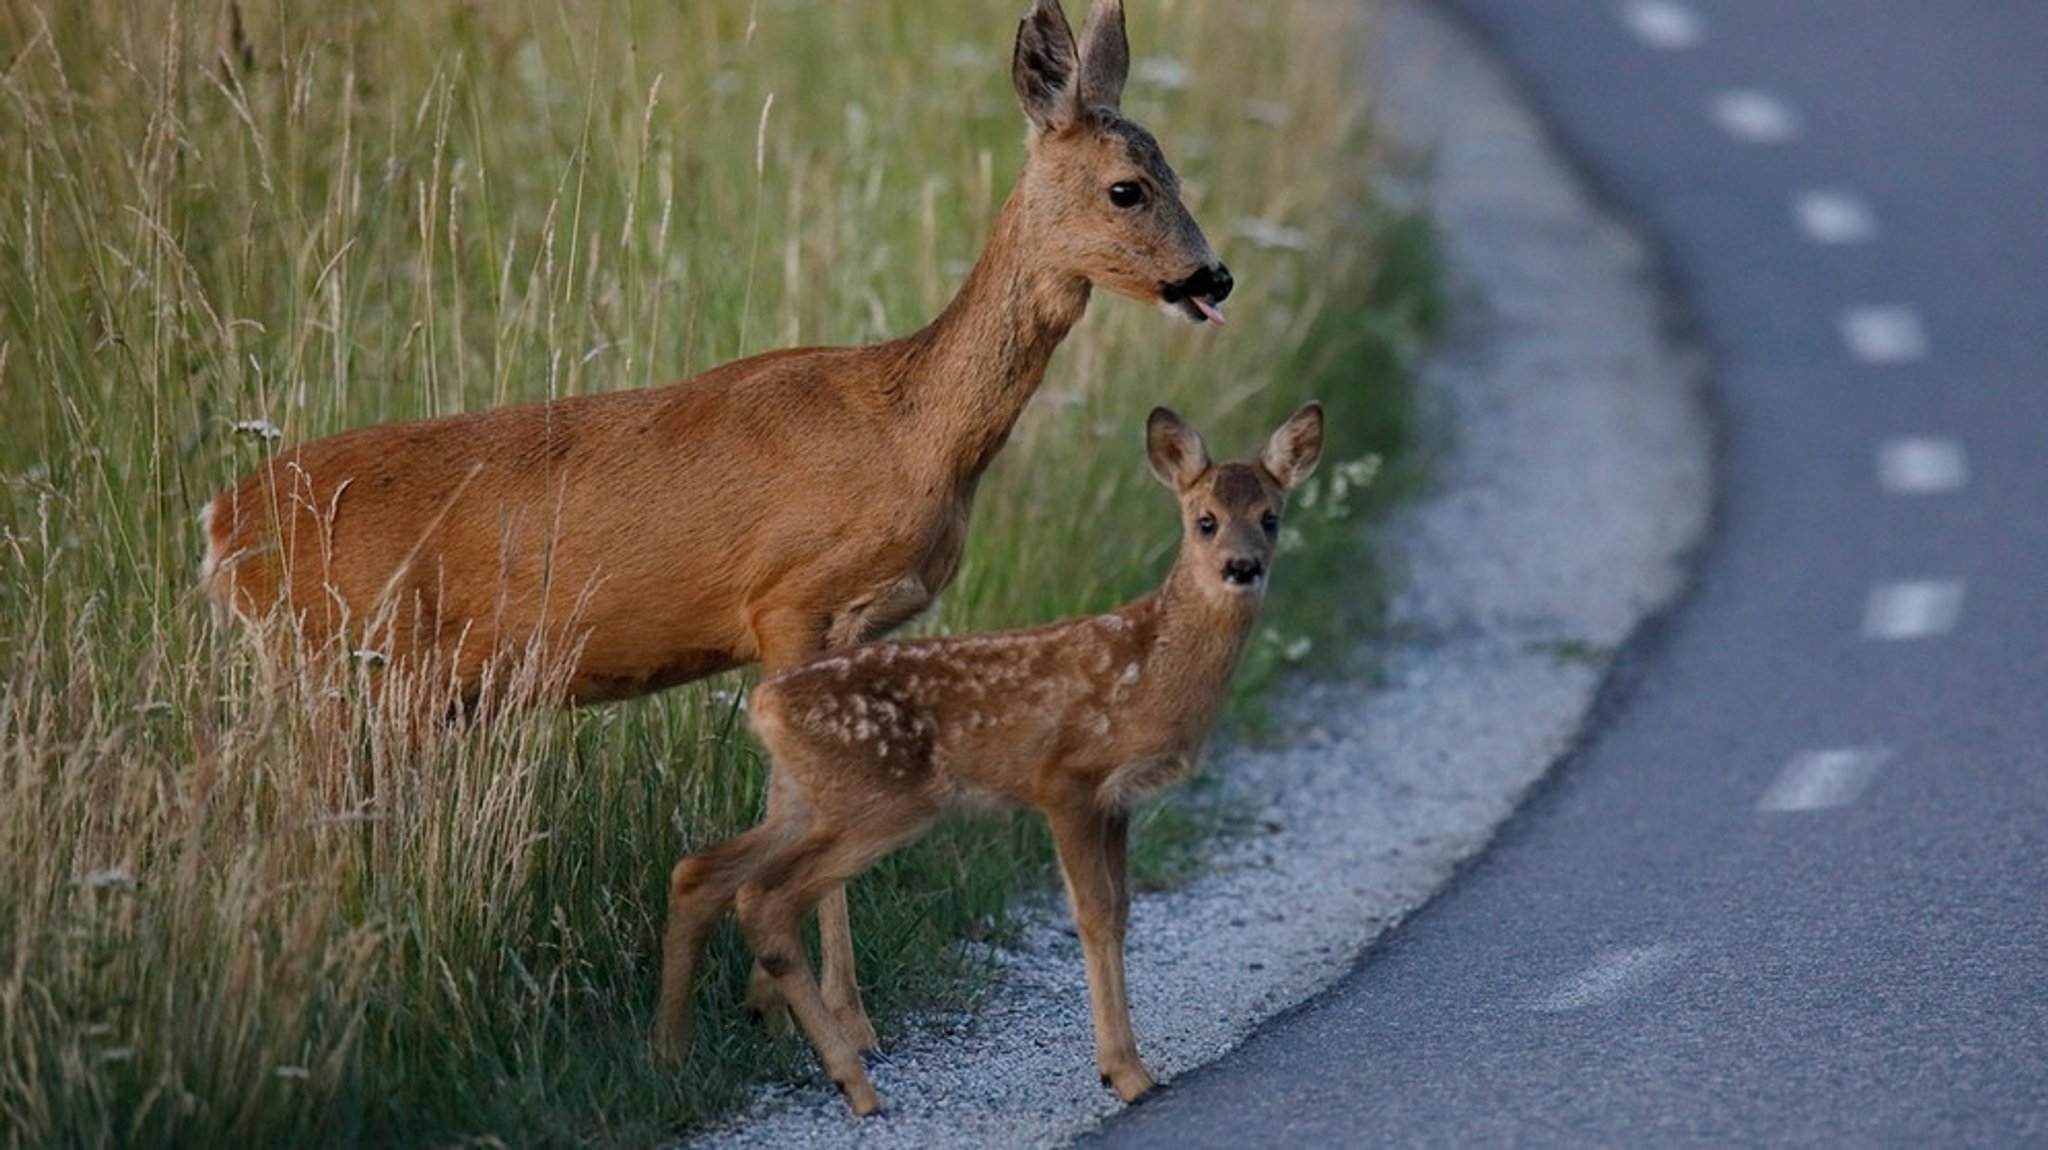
(771, 908)
(786, 638)
(836, 978)
(700, 890)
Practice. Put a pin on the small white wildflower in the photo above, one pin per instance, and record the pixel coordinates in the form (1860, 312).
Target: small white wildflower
(1297, 649)
(1359, 472)
(260, 428)
(1161, 71)
(1267, 234)
(110, 878)
(1350, 475)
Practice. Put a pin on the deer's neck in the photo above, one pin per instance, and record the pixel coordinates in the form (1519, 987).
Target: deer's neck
(1196, 638)
(981, 360)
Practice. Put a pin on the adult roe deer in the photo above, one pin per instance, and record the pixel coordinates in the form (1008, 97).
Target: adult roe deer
(1077, 719)
(767, 509)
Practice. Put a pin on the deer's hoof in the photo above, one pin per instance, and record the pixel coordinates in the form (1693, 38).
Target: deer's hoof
(669, 1045)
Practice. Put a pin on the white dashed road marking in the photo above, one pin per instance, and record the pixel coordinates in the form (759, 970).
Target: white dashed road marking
(1754, 117)
(1917, 609)
(1613, 974)
(1830, 217)
(1884, 334)
(1922, 466)
(1818, 780)
(1663, 24)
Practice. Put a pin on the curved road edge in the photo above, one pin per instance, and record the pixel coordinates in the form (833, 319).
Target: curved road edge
(1573, 481)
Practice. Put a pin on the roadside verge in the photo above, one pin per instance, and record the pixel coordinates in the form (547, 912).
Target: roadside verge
(1573, 477)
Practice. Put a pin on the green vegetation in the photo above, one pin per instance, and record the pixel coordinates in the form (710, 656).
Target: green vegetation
(222, 926)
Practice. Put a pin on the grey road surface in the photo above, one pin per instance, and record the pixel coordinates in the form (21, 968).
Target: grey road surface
(1794, 888)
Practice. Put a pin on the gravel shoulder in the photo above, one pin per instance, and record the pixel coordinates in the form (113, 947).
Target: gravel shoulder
(1574, 478)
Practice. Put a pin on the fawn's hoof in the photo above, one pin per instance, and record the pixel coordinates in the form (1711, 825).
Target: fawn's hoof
(1133, 1090)
(861, 1099)
(1151, 1092)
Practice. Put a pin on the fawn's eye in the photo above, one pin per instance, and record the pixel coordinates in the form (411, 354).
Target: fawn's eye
(1270, 522)
(1206, 525)
(1126, 194)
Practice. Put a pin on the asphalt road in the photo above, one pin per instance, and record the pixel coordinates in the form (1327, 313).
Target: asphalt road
(1793, 889)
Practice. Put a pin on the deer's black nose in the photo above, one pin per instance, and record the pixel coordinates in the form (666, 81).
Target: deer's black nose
(1220, 282)
(1243, 572)
(1210, 283)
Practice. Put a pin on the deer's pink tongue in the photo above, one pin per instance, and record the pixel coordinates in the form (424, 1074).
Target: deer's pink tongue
(1207, 309)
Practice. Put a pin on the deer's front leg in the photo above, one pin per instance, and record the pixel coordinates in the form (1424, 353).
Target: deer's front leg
(1091, 842)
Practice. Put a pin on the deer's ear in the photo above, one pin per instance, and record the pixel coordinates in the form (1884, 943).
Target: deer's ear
(1105, 55)
(1176, 451)
(1044, 68)
(1293, 449)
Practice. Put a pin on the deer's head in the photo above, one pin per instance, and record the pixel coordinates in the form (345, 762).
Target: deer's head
(1101, 195)
(1230, 512)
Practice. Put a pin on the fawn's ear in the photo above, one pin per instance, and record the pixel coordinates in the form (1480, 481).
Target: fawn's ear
(1292, 451)
(1175, 450)
(1105, 55)
(1044, 68)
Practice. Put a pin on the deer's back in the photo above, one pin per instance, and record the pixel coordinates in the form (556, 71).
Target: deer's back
(646, 525)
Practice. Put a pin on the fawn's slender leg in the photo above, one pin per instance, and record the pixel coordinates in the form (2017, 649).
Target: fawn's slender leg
(1091, 845)
(784, 639)
(837, 978)
(841, 986)
(700, 889)
(770, 908)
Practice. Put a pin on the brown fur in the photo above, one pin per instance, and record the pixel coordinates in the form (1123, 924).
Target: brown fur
(767, 509)
(1077, 719)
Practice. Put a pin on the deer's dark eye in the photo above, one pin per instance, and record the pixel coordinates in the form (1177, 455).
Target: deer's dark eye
(1206, 525)
(1270, 522)
(1126, 194)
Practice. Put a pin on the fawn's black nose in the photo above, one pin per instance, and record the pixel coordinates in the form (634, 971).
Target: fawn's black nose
(1242, 572)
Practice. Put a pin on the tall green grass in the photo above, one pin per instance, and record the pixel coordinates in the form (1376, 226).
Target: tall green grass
(223, 923)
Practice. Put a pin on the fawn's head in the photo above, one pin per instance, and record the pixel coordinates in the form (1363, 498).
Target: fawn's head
(1101, 197)
(1230, 512)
